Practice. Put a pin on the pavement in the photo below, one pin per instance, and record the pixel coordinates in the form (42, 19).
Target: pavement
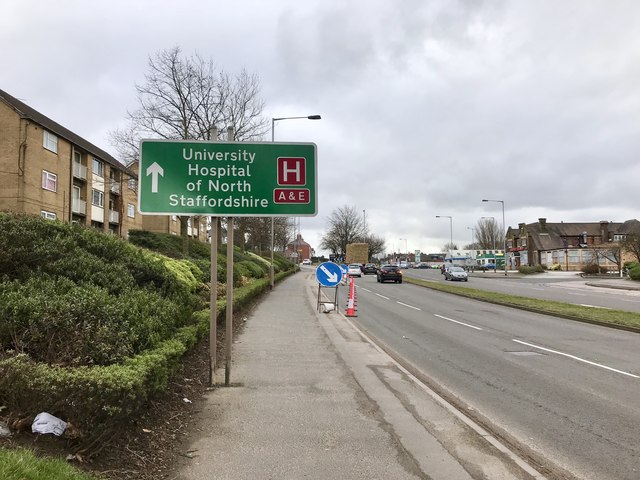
(312, 397)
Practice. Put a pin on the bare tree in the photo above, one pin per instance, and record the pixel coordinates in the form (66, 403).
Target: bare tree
(488, 234)
(376, 244)
(631, 244)
(185, 98)
(345, 226)
(449, 246)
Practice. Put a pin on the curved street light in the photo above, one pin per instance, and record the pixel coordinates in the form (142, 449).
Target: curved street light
(504, 235)
(450, 231)
(273, 128)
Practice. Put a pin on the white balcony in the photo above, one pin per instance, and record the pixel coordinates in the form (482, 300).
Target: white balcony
(79, 171)
(79, 206)
(114, 187)
(114, 217)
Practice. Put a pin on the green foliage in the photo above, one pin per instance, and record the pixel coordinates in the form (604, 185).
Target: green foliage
(99, 397)
(58, 322)
(556, 267)
(634, 273)
(528, 270)
(21, 464)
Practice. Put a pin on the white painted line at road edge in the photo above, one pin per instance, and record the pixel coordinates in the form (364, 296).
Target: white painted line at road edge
(593, 306)
(577, 358)
(365, 289)
(410, 306)
(382, 296)
(456, 321)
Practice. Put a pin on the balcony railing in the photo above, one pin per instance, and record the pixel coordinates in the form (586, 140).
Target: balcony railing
(79, 171)
(114, 217)
(114, 187)
(79, 206)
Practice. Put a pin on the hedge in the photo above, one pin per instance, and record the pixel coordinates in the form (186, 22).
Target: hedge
(100, 399)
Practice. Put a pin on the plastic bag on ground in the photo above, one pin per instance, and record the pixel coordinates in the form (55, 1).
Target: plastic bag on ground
(47, 423)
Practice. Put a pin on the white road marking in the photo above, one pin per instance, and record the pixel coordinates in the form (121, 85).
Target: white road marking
(577, 294)
(593, 306)
(456, 321)
(382, 296)
(539, 289)
(365, 289)
(410, 306)
(577, 358)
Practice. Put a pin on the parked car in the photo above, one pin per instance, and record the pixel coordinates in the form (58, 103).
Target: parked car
(306, 261)
(389, 272)
(369, 268)
(354, 270)
(456, 273)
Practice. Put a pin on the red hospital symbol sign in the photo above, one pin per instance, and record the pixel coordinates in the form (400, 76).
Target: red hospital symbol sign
(291, 171)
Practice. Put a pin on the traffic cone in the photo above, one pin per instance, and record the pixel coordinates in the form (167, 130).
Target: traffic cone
(351, 303)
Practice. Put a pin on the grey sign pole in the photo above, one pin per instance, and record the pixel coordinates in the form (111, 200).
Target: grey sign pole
(229, 309)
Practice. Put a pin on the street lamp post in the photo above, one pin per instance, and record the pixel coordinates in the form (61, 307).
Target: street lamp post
(273, 129)
(450, 231)
(504, 235)
(472, 240)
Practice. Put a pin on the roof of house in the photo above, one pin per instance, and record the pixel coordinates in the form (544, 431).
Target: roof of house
(25, 111)
(550, 235)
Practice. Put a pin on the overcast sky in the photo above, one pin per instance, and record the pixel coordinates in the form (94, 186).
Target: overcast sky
(427, 106)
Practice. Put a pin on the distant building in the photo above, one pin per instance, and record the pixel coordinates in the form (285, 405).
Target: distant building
(298, 249)
(48, 170)
(568, 246)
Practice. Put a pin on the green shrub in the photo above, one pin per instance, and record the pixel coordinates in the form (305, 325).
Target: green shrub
(527, 270)
(58, 322)
(254, 270)
(634, 273)
(556, 267)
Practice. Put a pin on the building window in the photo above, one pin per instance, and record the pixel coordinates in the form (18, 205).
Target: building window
(49, 181)
(97, 198)
(48, 215)
(98, 167)
(618, 238)
(132, 184)
(50, 142)
(131, 210)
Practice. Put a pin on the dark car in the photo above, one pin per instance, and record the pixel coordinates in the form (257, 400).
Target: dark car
(369, 268)
(389, 272)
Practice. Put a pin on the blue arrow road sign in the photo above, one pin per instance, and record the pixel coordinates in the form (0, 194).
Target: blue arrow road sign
(344, 268)
(329, 274)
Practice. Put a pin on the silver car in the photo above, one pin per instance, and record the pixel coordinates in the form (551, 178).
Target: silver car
(456, 273)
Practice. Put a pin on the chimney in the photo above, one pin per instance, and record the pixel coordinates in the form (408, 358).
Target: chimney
(543, 224)
(604, 231)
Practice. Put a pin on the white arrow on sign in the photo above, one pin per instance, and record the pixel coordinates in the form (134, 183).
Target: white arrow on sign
(154, 170)
(332, 277)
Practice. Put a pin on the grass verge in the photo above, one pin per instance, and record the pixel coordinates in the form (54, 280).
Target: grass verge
(22, 464)
(600, 316)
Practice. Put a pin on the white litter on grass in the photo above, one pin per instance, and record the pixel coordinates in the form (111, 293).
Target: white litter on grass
(186, 400)
(47, 423)
(4, 430)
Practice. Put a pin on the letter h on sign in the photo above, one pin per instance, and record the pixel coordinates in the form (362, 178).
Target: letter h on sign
(291, 171)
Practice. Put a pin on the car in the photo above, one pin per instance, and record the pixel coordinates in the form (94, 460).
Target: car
(456, 273)
(404, 265)
(306, 261)
(389, 272)
(369, 268)
(354, 270)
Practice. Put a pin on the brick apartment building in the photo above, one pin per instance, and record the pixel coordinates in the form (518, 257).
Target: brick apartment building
(47, 170)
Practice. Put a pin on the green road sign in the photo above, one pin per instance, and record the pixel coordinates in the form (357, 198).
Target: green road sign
(179, 177)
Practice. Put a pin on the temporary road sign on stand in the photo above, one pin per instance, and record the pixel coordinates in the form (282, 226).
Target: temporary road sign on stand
(179, 177)
(328, 274)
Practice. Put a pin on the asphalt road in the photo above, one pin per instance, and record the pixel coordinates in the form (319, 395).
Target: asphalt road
(561, 288)
(569, 392)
